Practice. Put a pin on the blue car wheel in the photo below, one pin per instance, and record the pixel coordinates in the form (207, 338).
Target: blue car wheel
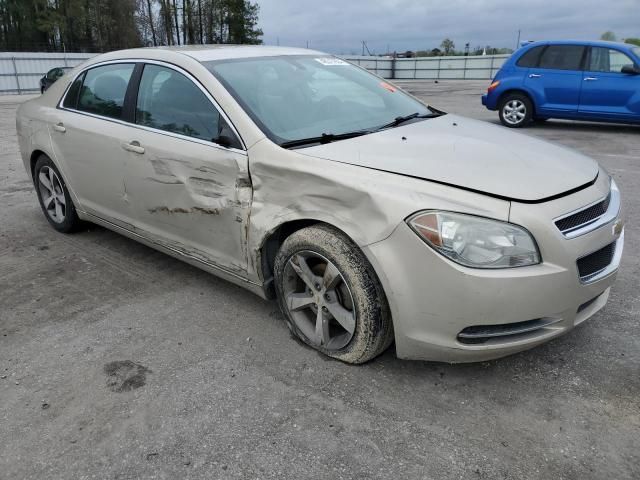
(515, 110)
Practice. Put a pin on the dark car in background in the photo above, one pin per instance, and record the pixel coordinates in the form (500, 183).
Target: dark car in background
(51, 76)
(597, 81)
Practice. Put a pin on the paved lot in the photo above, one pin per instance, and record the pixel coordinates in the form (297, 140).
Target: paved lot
(119, 362)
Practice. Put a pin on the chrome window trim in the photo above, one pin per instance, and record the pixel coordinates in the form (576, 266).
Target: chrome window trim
(610, 215)
(609, 269)
(171, 66)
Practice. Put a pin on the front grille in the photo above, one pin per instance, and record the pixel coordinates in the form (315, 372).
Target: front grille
(596, 262)
(583, 217)
(478, 334)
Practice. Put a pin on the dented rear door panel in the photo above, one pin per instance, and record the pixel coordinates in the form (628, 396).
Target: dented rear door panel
(190, 196)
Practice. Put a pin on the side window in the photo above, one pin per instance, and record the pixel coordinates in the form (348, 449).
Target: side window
(531, 57)
(167, 100)
(104, 88)
(71, 100)
(52, 74)
(562, 57)
(607, 60)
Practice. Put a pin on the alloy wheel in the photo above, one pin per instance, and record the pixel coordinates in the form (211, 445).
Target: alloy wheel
(319, 300)
(514, 112)
(52, 194)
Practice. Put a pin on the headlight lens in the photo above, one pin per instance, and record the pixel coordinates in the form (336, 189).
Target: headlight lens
(475, 241)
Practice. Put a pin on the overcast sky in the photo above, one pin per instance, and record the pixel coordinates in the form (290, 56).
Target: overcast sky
(339, 26)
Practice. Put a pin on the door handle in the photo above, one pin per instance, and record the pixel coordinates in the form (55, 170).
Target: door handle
(59, 127)
(534, 75)
(134, 147)
(590, 79)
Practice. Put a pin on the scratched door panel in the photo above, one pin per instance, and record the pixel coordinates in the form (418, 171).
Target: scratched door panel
(90, 149)
(190, 196)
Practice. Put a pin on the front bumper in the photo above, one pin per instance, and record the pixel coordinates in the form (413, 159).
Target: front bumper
(433, 299)
(484, 100)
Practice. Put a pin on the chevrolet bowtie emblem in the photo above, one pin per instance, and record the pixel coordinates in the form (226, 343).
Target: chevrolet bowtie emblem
(618, 227)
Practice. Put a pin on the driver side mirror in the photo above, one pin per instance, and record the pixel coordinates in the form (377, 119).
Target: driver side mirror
(226, 138)
(631, 69)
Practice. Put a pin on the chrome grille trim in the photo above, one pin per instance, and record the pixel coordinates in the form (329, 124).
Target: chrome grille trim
(506, 332)
(592, 224)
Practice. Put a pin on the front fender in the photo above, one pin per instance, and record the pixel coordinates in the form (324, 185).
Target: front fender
(366, 204)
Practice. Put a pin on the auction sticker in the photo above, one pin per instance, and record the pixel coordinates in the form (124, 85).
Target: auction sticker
(331, 61)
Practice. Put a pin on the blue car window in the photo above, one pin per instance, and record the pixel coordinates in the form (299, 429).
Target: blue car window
(562, 57)
(608, 60)
(531, 57)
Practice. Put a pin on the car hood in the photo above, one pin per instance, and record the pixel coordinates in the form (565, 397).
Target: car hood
(469, 154)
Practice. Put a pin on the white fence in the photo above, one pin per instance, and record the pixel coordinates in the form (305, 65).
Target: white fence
(20, 72)
(481, 67)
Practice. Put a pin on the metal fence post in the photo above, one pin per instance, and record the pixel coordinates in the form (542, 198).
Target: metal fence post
(439, 66)
(491, 71)
(15, 72)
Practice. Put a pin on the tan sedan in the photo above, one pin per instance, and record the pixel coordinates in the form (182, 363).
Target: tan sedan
(369, 215)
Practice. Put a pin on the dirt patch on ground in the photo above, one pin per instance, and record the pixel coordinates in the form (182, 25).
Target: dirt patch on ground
(125, 375)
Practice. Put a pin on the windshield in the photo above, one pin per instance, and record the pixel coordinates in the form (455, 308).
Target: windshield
(300, 97)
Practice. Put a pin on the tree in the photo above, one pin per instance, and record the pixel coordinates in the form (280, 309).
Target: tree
(102, 25)
(608, 36)
(632, 41)
(448, 46)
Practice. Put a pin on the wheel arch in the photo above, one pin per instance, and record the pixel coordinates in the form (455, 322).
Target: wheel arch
(518, 90)
(274, 239)
(34, 159)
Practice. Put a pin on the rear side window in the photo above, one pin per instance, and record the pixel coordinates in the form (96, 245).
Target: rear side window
(71, 99)
(607, 60)
(168, 100)
(562, 57)
(531, 57)
(104, 89)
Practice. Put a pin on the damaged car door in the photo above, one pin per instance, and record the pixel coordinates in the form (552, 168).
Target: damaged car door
(86, 134)
(187, 175)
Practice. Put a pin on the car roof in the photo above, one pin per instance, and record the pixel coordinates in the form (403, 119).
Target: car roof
(205, 53)
(589, 43)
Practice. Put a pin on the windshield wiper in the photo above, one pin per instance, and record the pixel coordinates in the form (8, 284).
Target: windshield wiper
(405, 118)
(324, 138)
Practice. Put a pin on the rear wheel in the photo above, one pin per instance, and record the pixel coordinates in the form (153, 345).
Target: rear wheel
(330, 295)
(54, 197)
(515, 110)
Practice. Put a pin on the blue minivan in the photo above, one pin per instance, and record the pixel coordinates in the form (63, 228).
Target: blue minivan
(598, 81)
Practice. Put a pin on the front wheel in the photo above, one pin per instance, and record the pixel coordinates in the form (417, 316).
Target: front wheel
(330, 296)
(515, 110)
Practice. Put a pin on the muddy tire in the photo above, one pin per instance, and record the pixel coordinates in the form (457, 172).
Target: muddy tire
(330, 295)
(54, 197)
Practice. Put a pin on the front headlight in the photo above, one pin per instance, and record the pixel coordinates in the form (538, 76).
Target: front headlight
(476, 241)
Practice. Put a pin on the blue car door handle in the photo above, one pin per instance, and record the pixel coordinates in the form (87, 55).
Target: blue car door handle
(590, 79)
(534, 75)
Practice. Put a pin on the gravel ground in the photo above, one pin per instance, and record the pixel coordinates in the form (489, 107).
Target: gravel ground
(119, 362)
